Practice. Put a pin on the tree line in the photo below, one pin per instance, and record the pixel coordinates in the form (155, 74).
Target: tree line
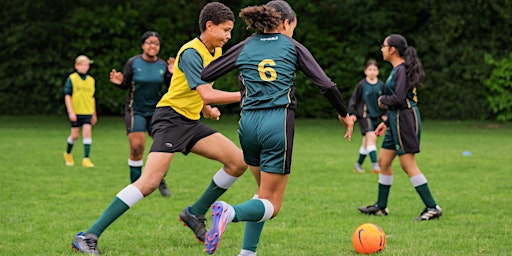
(464, 46)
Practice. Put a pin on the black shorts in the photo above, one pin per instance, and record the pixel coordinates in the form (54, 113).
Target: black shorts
(81, 120)
(172, 132)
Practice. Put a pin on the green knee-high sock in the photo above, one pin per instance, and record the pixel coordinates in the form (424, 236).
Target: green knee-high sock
(87, 150)
(361, 158)
(135, 172)
(382, 200)
(252, 235)
(209, 196)
(373, 156)
(113, 211)
(251, 210)
(69, 148)
(426, 196)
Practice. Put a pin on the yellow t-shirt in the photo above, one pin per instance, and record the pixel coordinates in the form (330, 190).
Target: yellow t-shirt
(180, 97)
(83, 94)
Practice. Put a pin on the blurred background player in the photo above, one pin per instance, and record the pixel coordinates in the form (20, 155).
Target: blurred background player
(146, 75)
(364, 105)
(81, 107)
(403, 127)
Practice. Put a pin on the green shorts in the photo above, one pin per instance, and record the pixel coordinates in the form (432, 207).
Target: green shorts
(266, 137)
(404, 131)
(368, 124)
(138, 122)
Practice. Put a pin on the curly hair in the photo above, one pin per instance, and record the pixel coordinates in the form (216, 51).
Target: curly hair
(268, 16)
(260, 17)
(215, 12)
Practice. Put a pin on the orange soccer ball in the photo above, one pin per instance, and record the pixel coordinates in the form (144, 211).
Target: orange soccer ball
(369, 238)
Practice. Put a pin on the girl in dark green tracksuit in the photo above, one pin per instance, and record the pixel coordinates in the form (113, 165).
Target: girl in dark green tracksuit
(363, 104)
(403, 127)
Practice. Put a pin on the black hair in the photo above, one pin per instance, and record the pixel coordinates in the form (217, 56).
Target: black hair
(371, 62)
(215, 12)
(283, 8)
(415, 72)
(148, 34)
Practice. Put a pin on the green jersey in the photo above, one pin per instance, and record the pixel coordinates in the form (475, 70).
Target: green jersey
(398, 95)
(267, 65)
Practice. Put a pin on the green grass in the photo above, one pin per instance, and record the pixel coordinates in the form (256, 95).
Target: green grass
(43, 203)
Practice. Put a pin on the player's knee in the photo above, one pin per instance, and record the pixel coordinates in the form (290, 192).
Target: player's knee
(136, 150)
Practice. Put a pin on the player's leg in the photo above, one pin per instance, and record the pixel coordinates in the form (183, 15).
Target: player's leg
(216, 147)
(135, 128)
(252, 232)
(363, 152)
(273, 156)
(137, 141)
(164, 191)
(155, 169)
(73, 136)
(410, 139)
(371, 145)
(385, 159)
(371, 148)
(362, 156)
(87, 141)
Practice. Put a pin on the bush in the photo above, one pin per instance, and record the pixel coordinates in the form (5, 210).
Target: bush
(499, 84)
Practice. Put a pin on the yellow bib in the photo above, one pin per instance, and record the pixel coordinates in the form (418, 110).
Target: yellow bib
(180, 97)
(83, 94)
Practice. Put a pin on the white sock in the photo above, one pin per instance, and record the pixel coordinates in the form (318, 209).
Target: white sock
(135, 163)
(247, 253)
(418, 180)
(223, 179)
(385, 179)
(130, 195)
(269, 210)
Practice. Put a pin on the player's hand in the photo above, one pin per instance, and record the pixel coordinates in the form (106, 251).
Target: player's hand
(211, 113)
(348, 122)
(94, 119)
(380, 104)
(72, 117)
(116, 77)
(170, 65)
(354, 118)
(381, 128)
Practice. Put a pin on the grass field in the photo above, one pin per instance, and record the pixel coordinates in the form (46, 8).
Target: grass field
(43, 203)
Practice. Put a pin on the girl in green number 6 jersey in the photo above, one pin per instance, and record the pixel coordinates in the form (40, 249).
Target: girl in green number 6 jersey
(267, 62)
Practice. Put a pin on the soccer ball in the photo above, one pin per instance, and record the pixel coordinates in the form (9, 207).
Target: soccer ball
(368, 238)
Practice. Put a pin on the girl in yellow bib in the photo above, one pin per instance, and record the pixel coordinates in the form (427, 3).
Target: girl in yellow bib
(81, 108)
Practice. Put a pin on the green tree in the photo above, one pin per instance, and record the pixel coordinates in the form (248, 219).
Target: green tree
(499, 84)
